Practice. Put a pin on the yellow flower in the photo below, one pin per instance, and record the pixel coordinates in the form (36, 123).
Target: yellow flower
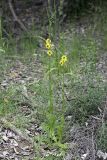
(49, 52)
(63, 60)
(48, 46)
(48, 41)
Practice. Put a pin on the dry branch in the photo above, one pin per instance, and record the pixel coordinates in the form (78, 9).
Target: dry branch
(15, 16)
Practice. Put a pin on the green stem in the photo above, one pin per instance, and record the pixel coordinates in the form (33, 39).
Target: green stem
(0, 28)
(63, 97)
(50, 90)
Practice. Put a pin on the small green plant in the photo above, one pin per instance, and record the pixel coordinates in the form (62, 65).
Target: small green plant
(54, 122)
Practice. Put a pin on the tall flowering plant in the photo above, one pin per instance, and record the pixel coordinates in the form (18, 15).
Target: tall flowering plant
(54, 124)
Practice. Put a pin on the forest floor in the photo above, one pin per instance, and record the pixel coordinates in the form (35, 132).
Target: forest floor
(19, 127)
(21, 100)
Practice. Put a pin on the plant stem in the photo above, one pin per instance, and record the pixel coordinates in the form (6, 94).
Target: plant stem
(63, 97)
(50, 90)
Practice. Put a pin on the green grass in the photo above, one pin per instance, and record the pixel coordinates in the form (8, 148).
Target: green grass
(7, 101)
(102, 137)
